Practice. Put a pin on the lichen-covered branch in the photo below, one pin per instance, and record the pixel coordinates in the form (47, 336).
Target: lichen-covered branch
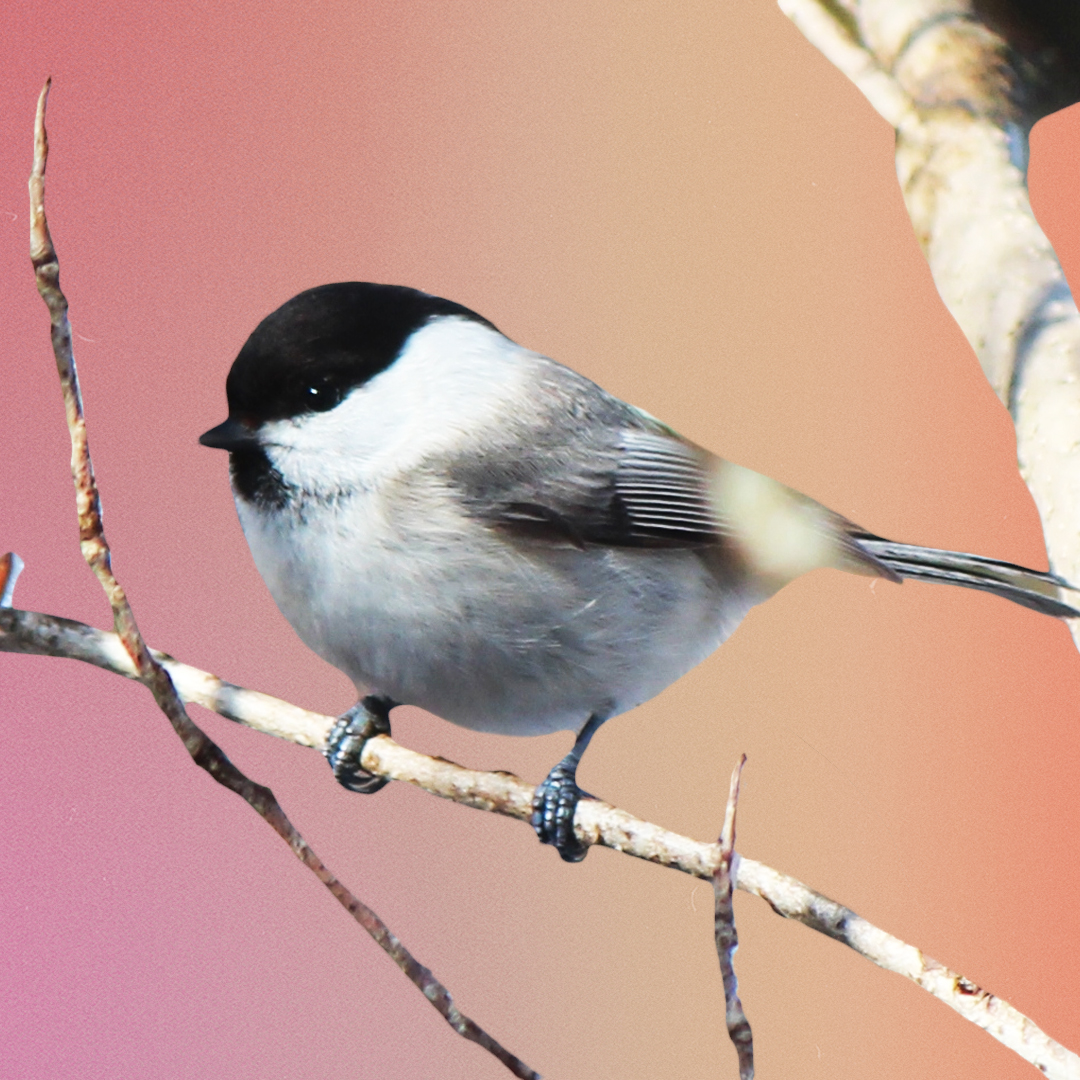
(141, 664)
(595, 823)
(962, 98)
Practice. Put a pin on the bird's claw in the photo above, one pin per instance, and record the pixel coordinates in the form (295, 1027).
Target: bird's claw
(345, 744)
(554, 804)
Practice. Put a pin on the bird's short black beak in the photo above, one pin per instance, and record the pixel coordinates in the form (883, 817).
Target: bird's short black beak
(232, 435)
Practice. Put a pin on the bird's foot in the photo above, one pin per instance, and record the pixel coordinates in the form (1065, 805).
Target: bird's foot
(345, 744)
(556, 799)
(554, 804)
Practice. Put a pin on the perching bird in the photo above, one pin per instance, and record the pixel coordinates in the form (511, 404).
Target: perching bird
(462, 524)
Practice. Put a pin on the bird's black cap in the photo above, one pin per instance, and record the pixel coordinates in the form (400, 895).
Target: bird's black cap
(306, 356)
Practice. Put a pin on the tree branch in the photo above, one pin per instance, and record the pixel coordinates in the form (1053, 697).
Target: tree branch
(595, 823)
(962, 101)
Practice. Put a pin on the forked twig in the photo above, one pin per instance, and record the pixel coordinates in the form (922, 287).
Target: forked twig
(204, 752)
(727, 939)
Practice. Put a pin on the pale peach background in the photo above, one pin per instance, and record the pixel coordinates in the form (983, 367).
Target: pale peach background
(686, 202)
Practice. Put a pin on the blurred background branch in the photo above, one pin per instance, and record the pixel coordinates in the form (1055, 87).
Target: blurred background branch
(963, 83)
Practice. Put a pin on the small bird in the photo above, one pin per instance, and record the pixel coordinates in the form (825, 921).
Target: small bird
(459, 523)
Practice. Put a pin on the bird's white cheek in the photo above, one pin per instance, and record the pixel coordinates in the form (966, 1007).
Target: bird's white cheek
(334, 451)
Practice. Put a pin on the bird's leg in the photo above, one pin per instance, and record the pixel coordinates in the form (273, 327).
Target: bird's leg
(345, 743)
(557, 797)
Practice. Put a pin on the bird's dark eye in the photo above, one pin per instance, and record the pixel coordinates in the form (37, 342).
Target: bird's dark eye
(322, 396)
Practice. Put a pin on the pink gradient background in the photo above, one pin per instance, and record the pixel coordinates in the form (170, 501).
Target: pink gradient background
(687, 203)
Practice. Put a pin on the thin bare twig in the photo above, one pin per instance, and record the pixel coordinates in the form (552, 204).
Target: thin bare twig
(595, 823)
(727, 939)
(204, 752)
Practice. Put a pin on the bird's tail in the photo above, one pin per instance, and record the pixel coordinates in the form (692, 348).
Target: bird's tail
(1031, 588)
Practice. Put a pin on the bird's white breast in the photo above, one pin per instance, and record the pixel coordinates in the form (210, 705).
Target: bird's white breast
(522, 639)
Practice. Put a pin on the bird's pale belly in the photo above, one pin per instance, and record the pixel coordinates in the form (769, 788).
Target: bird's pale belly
(521, 639)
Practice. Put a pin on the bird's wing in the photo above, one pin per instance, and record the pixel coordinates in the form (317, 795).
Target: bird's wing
(632, 486)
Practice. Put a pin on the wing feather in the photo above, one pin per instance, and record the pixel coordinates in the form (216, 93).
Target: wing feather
(638, 487)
